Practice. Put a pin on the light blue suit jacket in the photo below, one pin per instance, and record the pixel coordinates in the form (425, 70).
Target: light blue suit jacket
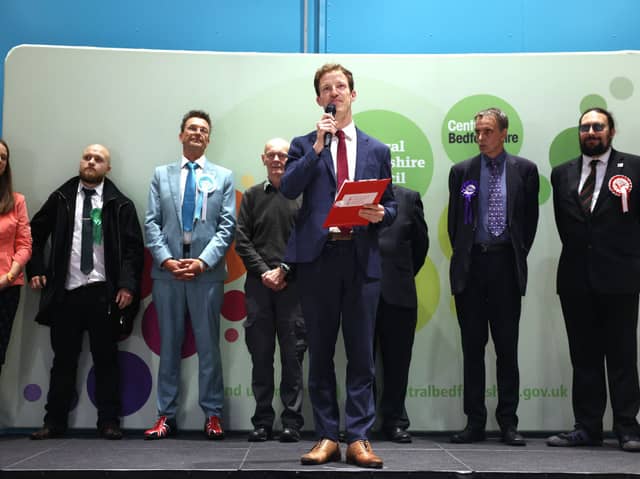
(210, 238)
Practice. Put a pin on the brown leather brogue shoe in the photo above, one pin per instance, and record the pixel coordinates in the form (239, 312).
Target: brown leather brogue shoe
(325, 450)
(361, 454)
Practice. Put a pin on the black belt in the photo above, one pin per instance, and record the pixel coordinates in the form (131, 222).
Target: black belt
(339, 236)
(88, 286)
(186, 251)
(484, 248)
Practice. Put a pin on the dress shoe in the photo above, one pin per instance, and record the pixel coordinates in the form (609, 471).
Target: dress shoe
(213, 428)
(289, 434)
(398, 434)
(164, 427)
(512, 437)
(577, 437)
(325, 450)
(110, 430)
(47, 432)
(468, 435)
(629, 442)
(361, 454)
(259, 434)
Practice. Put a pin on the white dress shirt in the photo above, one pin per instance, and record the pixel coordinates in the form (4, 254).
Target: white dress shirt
(77, 278)
(352, 142)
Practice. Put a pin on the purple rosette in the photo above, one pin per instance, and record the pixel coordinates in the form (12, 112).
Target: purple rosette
(469, 190)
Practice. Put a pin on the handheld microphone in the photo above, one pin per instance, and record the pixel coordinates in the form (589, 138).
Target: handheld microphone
(330, 108)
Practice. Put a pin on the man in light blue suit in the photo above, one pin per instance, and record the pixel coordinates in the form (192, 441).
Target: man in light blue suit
(338, 269)
(189, 225)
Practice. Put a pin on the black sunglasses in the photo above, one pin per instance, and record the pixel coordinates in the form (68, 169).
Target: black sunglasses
(585, 127)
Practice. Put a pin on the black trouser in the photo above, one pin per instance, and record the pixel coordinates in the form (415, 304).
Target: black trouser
(491, 300)
(84, 308)
(395, 331)
(272, 314)
(9, 299)
(602, 329)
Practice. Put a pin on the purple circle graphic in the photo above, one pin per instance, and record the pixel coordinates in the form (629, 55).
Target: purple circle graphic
(151, 332)
(32, 392)
(135, 383)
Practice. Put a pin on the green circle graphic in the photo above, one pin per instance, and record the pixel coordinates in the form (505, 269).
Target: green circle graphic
(621, 88)
(443, 234)
(411, 154)
(545, 190)
(428, 289)
(458, 127)
(565, 146)
(592, 101)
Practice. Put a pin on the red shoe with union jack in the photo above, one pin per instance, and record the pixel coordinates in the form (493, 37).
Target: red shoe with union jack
(213, 428)
(164, 427)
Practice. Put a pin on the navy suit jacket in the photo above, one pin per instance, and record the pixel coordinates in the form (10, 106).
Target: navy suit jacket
(313, 176)
(404, 247)
(600, 251)
(522, 216)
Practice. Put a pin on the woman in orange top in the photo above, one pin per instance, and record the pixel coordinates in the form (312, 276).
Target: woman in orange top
(15, 248)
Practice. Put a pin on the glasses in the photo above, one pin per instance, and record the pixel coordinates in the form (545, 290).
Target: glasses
(586, 127)
(195, 129)
(272, 154)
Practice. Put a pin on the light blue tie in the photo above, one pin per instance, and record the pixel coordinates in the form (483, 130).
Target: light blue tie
(189, 198)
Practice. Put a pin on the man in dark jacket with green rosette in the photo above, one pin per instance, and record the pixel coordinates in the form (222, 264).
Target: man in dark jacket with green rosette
(90, 281)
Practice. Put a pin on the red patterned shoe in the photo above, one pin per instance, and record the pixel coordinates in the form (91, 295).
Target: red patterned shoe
(213, 428)
(164, 427)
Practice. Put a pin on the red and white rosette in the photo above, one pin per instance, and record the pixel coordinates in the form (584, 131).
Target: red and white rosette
(620, 185)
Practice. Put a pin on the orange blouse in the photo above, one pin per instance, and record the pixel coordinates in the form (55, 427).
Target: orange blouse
(15, 237)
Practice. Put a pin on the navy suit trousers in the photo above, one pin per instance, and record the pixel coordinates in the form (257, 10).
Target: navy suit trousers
(335, 291)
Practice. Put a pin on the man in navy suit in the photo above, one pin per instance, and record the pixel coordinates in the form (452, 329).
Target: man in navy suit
(493, 217)
(599, 281)
(189, 225)
(339, 270)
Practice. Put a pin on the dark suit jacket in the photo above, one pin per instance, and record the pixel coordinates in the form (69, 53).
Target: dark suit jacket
(600, 251)
(522, 216)
(314, 175)
(403, 247)
(123, 247)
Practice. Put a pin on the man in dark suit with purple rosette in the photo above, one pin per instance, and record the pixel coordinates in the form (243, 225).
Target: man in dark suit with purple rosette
(493, 217)
(597, 210)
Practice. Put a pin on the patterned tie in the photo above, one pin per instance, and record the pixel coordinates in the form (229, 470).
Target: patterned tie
(586, 193)
(189, 198)
(343, 167)
(86, 245)
(496, 220)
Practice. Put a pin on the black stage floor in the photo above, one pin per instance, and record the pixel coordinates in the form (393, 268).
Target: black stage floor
(190, 455)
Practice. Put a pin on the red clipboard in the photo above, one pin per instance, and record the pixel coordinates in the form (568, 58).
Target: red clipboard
(351, 197)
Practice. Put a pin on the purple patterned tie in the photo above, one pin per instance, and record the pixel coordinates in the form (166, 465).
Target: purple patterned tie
(495, 221)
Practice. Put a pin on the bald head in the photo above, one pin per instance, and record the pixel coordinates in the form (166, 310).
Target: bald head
(276, 144)
(94, 165)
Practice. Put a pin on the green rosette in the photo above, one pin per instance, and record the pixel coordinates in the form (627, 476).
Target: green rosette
(96, 220)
